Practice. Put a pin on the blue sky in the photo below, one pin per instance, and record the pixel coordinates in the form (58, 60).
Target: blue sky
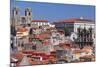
(53, 12)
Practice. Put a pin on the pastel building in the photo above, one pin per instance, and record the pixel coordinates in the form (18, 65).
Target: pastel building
(57, 38)
(38, 23)
(72, 25)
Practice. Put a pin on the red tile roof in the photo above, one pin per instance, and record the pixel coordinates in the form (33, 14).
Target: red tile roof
(77, 51)
(88, 56)
(28, 52)
(39, 20)
(22, 30)
(19, 56)
(42, 36)
(72, 20)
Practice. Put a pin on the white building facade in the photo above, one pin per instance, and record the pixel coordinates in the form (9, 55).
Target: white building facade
(82, 24)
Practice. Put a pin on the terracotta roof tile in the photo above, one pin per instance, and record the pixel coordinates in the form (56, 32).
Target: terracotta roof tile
(39, 20)
(72, 20)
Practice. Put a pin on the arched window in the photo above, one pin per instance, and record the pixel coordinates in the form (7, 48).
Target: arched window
(29, 13)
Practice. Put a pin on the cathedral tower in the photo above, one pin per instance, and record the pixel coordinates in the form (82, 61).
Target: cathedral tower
(28, 14)
(16, 16)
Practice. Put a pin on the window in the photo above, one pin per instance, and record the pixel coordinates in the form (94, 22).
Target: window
(25, 13)
(34, 47)
(16, 12)
(29, 13)
(47, 23)
(34, 23)
(23, 20)
(43, 23)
